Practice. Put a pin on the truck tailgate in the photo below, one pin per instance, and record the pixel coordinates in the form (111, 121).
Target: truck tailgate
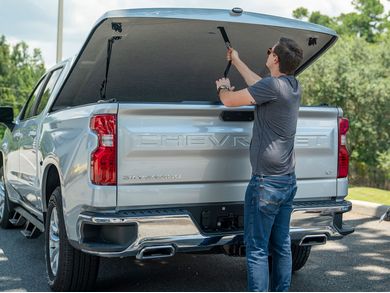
(187, 154)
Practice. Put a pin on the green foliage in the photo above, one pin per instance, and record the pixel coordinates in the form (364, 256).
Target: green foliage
(369, 21)
(369, 194)
(301, 13)
(384, 161)
(354, 75)
(19, 72)
(315, 17)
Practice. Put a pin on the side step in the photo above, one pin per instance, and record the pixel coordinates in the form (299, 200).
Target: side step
(33, 227)
(17, 220)
(30, 231)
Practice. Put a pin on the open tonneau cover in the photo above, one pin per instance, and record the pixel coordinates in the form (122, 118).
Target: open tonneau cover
(173, 55)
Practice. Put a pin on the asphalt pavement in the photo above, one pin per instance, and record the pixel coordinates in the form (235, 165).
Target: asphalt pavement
(359, 262)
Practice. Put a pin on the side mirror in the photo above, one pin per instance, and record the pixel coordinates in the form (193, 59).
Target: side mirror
(7, 116)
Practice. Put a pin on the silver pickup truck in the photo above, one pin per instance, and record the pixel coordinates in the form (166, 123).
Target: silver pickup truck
(125, 150)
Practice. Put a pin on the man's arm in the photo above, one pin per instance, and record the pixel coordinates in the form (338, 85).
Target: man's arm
(236, 99)
(230, 98)
(249, 76)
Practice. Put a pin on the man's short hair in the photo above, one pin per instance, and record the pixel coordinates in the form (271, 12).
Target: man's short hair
(290, 55)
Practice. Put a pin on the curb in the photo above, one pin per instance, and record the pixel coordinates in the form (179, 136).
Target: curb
(368, 208)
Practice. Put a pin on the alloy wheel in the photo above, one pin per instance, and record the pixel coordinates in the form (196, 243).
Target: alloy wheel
(54, 241)
(2, 197)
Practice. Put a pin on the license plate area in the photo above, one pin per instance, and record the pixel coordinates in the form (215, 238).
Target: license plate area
(221, 218)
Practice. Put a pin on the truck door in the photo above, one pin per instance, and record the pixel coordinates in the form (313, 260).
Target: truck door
(24, 134)
(28, 149)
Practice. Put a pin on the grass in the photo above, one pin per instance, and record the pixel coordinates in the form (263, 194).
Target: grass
(369, 194)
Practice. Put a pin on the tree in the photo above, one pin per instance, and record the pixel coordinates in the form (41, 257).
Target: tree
(369, 21)
(19, 72)
(354, 75)
(315, 17)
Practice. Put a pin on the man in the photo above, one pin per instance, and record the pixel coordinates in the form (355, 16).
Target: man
(271, 190)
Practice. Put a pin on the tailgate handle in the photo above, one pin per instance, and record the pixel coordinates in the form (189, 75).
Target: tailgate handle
(244, 116)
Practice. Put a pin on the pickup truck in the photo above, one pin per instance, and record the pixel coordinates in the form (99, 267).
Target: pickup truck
(126, 150)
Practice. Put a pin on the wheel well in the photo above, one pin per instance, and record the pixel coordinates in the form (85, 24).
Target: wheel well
(52, 182)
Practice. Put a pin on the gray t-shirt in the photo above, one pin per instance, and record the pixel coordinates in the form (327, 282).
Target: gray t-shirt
(275, 124)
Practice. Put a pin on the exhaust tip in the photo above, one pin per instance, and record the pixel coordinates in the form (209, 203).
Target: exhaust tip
(152, 252)
(311, 240)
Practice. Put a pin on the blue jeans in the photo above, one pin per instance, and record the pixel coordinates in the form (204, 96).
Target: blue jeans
(267, 213)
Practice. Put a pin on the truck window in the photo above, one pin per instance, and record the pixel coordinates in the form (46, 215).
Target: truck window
(48, 90)
(28, 110)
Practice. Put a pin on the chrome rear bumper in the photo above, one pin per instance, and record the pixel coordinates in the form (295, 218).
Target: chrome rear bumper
(316, 218)
(177, 229)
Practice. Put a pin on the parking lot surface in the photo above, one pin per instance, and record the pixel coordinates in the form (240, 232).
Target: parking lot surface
(359, 262)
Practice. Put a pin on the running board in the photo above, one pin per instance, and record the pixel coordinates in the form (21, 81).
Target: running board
(33, 227)
(17, 220)
(30, 231)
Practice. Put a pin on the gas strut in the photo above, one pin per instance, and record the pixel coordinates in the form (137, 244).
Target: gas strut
(103, 87)
(228, 46)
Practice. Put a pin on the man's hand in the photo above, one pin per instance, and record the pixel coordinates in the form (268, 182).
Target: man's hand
(232, 55)
(224, 82)
(249, 76)
(233, 99)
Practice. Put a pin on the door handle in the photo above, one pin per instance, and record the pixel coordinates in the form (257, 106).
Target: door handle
(237, 115)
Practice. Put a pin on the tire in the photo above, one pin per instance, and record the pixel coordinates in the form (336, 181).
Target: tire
(72, 269)
(6, 207)
(300, 254)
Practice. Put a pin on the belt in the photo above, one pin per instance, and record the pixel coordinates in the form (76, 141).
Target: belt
(263, 175)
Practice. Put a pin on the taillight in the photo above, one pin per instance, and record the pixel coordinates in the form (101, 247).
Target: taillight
(103, 158)
(343, 157)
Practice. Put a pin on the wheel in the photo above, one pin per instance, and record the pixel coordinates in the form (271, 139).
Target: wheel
(300, 254)
(68, 269)
(6, 208)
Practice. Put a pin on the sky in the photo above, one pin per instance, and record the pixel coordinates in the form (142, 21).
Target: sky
(35, 22)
